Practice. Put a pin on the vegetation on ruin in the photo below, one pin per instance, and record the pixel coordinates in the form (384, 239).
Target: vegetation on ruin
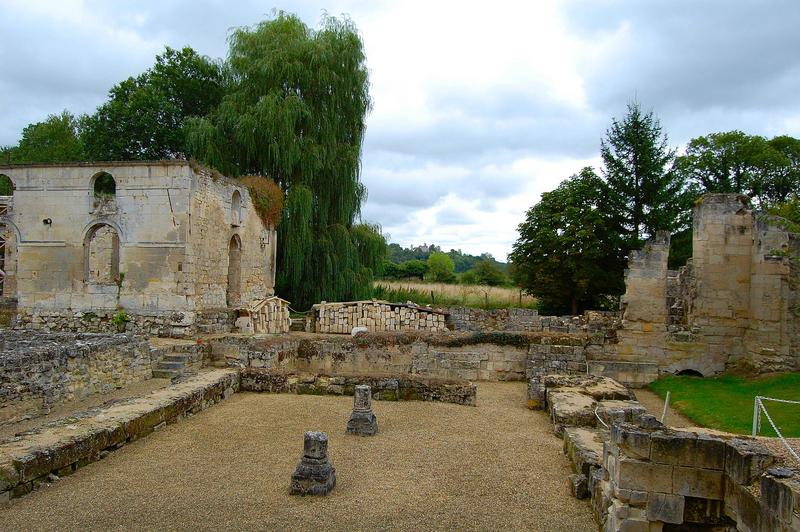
(478, 296)
(267, 198)
(295, 111)
(726, 403)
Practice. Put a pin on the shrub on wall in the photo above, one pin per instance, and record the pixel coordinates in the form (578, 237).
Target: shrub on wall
(267, 198)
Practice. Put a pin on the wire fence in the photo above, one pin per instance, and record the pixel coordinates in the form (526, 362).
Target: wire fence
(758, 408)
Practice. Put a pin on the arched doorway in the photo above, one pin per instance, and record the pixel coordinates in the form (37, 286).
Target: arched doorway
(102, 254)
(233, 296)
(7, 240)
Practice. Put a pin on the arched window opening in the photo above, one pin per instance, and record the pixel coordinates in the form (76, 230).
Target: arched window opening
(233, 295)
(102, 255)
(236, 208)
(6, 186)
(104, 186)
(690, 373)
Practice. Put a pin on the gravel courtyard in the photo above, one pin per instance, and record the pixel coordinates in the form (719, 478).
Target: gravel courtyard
(432, 465)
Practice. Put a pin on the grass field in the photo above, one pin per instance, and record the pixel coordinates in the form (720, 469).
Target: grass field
(726, 403)
(423, 293)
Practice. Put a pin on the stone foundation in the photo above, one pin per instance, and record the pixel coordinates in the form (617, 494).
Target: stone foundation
(167, 324)
(526, 320)
(38, 369)
(496, 356)
(384, 388)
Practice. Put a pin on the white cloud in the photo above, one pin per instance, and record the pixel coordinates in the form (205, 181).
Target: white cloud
(478, 108)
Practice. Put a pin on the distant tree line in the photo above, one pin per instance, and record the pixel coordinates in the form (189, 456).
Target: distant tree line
(289, 104)
(429, 262)
(573, 244)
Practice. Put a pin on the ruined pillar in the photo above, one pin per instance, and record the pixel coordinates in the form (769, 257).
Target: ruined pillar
(314, 475)
(362, 421)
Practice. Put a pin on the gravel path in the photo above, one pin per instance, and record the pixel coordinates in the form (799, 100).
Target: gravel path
(655, 406)
(432, 466)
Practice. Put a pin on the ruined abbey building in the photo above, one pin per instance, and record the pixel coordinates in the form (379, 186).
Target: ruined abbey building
(174, 247)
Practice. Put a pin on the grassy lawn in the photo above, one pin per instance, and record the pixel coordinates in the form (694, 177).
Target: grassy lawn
(726, 403)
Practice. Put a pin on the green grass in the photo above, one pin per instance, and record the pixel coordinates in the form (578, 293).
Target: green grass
(726, 403)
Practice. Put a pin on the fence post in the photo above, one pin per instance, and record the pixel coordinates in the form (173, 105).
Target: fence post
(756, 414)
(666, 405)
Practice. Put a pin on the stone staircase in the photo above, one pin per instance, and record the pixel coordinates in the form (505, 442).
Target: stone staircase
(177, 360)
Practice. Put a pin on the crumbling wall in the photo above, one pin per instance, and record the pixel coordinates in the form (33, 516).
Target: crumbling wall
(470, 356)
(38, 370)
(214, 224)
(523, 319)
(733, 305)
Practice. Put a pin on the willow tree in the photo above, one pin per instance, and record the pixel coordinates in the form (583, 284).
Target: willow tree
(295, 111)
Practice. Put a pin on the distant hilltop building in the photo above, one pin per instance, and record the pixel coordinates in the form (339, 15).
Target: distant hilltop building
(166, 245)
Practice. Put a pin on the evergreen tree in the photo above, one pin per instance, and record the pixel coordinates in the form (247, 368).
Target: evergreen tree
(295, 112)
(646, 194)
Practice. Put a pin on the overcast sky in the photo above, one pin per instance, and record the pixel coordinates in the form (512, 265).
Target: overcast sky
(478, 107)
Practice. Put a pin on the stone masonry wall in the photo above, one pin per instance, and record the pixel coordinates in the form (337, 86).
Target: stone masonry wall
(735, 304)
(341, 318)
(521, 319)
(468, 356)
(38, 370)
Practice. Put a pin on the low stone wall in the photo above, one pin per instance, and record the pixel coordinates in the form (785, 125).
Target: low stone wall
(384, 388)
(641, 475)
(26, 462)
(527, 320)
(498, 356)
(341, 318)
(39, 369)
(171, 325)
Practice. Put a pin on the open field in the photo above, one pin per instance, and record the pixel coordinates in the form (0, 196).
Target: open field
(726, 403)
(423, 293)
(431, 466)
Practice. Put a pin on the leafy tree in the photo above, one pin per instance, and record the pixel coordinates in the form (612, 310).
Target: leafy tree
(486, 272)
(569, 252)
(468, 277)
(295, 111)
(414, 268)
(441, 268)
(790, 210)
(6, 186)
(645, 194)
(53, 141)
(145, 116)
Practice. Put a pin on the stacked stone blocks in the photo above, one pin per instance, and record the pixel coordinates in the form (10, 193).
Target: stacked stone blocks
(342, 318)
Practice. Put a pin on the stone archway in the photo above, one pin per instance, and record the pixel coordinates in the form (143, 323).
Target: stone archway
(234, 292)
(101, 248)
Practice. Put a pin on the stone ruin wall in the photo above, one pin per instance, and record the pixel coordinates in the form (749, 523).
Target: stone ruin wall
(522, 319)
(39, 370)
(641, 475)
(374, 316)
(467, 356)
(173, 225)
(735, 304)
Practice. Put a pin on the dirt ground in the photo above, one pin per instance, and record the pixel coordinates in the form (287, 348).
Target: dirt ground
(432, 466)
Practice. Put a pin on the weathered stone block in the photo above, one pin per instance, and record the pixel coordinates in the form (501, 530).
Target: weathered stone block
(673, 447)
(579, 486)
(696, 482)
(665, 507)
(314, 475)
(631, 440)
(746, 460)
(362, 420)
(781, 496)
(643, 476)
